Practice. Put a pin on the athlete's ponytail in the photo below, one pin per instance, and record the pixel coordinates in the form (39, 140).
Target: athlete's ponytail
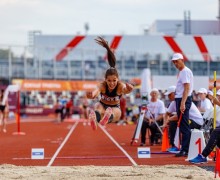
(110, 56)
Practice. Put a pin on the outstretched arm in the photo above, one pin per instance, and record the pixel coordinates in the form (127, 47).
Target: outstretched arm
(127, 88)
(95, 93)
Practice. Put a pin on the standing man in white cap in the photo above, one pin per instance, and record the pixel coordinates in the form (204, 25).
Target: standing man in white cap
(183, 99)
(195, 117)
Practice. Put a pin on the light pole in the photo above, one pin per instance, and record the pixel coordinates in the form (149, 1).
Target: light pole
(218, 17)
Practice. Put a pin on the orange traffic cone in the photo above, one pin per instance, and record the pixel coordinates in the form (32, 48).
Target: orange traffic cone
(217, 164)
(165, 140)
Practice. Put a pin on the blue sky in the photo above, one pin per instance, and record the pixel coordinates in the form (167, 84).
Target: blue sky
(18, 17)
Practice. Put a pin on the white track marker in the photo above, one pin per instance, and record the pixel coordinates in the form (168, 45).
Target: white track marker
(115, 142)
(61, 146)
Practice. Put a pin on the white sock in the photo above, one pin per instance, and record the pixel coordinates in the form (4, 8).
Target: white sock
(202, 156)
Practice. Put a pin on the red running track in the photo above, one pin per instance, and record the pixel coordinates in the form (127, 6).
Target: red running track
(74, 144)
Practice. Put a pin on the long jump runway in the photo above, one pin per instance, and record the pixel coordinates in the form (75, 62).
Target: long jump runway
(74, 144)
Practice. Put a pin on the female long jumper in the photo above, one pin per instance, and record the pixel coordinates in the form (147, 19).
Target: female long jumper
(111, 89)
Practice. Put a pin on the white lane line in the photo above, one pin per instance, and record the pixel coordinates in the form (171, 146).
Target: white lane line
(115, 142)
(61, 146)
(76, 157)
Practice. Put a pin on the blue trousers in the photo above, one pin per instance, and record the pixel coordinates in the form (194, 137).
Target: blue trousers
(184, 124)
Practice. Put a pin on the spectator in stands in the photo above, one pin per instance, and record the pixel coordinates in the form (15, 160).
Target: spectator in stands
(214, 138)
(84, 107)
(69, 108)
(129, 112)
(195, 98)
(58, 111)
(161, 96)
(4, 110)
(135, 113)
(171, 119)
(133, 109)
(62, 102)
(183, 98)
(111, 90)
(138, 100)
(205, 103)
(49, 101)
(154, 114)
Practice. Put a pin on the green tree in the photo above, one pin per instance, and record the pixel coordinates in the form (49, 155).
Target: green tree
(4, 53)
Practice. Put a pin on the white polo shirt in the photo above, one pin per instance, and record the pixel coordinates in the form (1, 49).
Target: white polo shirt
(155, 108)
(194, 113)
(185, 76)
(206, 104)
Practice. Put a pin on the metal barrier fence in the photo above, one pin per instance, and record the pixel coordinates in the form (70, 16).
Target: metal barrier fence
(16, 62)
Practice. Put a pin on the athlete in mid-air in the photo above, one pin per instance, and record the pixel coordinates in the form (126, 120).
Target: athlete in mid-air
(110, 90)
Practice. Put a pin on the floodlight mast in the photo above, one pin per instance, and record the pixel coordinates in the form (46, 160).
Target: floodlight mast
(218, 17)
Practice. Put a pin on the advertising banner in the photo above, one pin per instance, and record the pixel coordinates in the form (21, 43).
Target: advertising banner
(55, 85)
